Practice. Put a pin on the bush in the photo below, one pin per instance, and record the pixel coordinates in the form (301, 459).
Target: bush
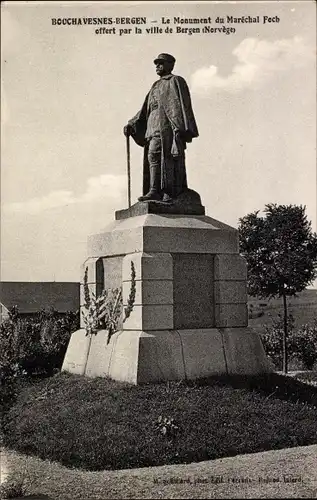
(32, 347)
(10, 376)
(302, 343)
(272, 339)
(100, 424)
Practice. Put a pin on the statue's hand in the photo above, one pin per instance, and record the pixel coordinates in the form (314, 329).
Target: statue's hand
(182, 136)
(127, 130)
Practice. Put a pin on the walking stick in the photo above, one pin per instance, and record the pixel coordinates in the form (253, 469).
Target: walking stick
(128, 169)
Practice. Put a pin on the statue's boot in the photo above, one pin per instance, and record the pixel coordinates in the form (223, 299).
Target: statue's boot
(155, 180)
(151, 195)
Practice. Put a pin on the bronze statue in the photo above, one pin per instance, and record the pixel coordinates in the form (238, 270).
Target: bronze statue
(163, 126)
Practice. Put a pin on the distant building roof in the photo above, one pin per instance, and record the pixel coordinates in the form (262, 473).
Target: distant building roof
(31, 297)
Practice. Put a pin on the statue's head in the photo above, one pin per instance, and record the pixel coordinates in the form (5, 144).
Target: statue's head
(164, 64)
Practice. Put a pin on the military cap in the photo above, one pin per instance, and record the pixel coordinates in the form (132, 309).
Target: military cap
(165, 57)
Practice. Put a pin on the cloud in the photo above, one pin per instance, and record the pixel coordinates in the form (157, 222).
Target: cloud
(106, 185)
(103, 187)
(258, 62)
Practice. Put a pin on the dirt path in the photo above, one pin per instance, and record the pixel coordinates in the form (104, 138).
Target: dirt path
(259, 475)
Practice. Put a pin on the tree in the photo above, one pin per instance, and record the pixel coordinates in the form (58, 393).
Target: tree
(281, 252)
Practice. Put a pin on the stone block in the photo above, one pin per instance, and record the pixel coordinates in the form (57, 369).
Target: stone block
(116, 242)
(150, 292)
(124, 359)
(230, 267)
(244, 352)
(231, 315)
(77, 353)
(164, 233)
(150, 317)
(156, 266)
(189, 240)
(203, 353)
(230, 292)
(99, 355)
(160, 357)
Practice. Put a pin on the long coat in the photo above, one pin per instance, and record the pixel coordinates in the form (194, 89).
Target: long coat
(175, 114)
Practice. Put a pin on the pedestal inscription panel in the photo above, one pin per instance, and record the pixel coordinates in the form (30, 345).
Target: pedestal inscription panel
(193, 278)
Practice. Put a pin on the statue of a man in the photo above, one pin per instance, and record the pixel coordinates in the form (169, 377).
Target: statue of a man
(163, 126)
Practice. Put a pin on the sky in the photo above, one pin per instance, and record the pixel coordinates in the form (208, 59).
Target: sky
(67, 92)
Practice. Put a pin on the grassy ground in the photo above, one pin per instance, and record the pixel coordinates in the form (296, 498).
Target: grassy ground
(288, 473)
(100, 424)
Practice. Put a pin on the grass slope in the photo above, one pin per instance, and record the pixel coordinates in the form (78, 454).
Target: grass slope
(303, 307)
(100, 424)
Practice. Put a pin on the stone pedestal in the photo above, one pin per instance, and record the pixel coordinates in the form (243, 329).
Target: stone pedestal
(189, 318)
